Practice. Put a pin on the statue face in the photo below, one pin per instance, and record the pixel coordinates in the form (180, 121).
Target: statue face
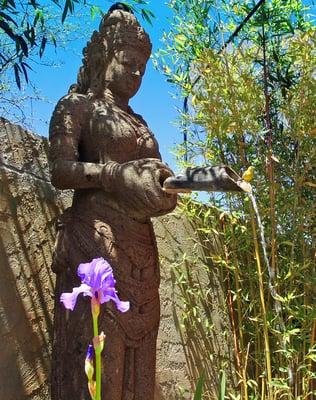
(124, 72)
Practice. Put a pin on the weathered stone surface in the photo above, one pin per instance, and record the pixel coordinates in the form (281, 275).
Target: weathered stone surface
(186, 348)
(28, 207)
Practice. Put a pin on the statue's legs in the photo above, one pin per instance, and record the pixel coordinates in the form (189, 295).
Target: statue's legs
(113, 360)
(72, 334)
(145, 363)
(129, 355)
(128, 373)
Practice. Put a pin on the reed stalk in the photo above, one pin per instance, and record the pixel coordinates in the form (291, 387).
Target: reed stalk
(232, 314)
(312, 365)
(239, 314)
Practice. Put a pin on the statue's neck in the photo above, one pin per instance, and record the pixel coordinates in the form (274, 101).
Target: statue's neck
(117, 99)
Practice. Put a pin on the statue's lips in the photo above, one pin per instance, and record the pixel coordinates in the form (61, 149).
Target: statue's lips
(210, 179)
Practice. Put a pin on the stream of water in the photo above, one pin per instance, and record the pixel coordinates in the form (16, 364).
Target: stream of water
(263, 242)
(271, 273)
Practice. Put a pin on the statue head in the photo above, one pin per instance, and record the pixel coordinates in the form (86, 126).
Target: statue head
(117, 52)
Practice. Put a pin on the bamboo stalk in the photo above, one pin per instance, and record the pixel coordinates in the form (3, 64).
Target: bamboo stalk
(232, 314)
(312, 365)
(268, 124)
(239, 316)
(273, 270)
(263, 389)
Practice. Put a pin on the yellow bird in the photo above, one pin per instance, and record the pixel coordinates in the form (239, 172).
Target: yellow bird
(248, 174)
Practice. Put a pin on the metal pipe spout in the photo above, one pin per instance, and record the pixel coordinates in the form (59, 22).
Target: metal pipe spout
(210, 179)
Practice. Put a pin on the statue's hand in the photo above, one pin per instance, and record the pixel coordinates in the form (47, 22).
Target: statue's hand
(138, 184)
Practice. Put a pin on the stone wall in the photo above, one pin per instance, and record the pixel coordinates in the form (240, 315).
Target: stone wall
(29, 206)
(190, 342)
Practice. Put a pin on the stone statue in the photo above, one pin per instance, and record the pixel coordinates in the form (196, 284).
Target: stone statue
(107, 154)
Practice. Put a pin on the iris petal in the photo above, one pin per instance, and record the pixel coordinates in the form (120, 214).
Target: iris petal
(70, 299)
(94, 272)
(103, 271)
(122, 306)
(110, 294)
(85, 271)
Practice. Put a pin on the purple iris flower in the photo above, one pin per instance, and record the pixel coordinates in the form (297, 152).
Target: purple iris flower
(90, 353)
(97, 282)
(88, 364)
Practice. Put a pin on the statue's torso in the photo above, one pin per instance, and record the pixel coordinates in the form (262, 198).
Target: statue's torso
(111, 134)
(96, 225)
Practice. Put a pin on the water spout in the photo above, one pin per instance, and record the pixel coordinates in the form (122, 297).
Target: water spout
(210, 179)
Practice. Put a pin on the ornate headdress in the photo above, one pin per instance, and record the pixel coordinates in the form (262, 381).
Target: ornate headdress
(118, 29)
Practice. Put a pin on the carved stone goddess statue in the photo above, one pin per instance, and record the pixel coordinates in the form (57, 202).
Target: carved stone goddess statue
(107, 154)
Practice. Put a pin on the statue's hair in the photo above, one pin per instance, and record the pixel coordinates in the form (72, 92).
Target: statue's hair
(118, 29)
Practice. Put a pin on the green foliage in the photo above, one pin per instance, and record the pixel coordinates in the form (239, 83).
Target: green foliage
(253, 103)
(16, 103)
(25, 28)
(199, 387)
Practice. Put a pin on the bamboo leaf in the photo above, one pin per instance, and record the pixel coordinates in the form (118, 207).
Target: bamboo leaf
(6, 28)
(199, 387)
(23, 45)
(65, 12)
(17, 75)
(8, 18)
(42, 47)
(146, 16)
(222, 391)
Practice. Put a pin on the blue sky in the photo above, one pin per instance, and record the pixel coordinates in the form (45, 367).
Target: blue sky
(153, 101)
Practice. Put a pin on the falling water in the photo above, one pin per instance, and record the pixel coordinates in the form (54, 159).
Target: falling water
(263, 244)
(271, 272)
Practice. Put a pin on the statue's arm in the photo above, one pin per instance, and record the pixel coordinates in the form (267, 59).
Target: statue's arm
(67, 172)
(137, 183)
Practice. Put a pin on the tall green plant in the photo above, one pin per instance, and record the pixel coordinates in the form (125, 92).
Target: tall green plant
(252, 103)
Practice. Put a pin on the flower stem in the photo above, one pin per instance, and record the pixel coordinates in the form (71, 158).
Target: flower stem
(97, 351)
(95, 326)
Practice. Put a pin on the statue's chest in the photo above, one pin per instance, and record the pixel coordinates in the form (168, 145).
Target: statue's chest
(119, 136)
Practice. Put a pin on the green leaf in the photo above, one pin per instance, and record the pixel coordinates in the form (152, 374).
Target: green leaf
(38, 16)
(25, 72)
(131, 6)
(53, 39)
(23, 45)
(29, 33)
(42, 47)
(95, 10)
(146, 16)
(149, 12)
(199, 387)
(6, 28)
(222, 390)
(17, 75)
(5, 3)
(69, 6)
(33, 3)
(8, 18)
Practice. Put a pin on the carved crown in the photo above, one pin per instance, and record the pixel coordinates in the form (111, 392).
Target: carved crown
(117, 30)
(122, 28)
